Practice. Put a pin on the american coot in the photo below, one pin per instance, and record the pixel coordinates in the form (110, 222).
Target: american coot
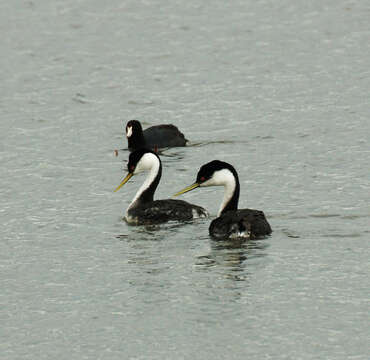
(231, 222)
(154, 137)
(143, 209)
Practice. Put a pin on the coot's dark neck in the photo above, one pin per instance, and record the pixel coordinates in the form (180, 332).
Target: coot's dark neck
(136, 140)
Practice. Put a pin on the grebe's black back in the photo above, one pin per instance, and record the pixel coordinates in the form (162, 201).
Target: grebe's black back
(231, 222)
(154, 137)
(143, 209)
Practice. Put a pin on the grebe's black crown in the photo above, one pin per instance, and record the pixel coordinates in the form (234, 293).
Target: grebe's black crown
(207, 170)
(135, 157)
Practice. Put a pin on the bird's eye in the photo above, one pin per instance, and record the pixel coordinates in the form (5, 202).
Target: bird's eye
(132, 168)
(202, 179)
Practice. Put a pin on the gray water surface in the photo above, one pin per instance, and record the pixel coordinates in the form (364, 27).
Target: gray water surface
(278, 89)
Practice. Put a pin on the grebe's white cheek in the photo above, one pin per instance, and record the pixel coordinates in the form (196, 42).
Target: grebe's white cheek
(220, 178)
(147, 162)
(129, 131)
(206, 183)
(140, 167)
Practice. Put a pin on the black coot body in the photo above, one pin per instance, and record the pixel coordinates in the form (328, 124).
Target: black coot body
(154, 137)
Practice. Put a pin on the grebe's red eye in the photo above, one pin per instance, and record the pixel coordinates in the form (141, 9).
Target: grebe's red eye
(132, 167)
(202, 178)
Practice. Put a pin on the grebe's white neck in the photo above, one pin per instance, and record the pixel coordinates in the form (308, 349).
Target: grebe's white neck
(149, 162)
(226, 179)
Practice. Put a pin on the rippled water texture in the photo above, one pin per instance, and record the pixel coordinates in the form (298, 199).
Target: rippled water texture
(278, 89)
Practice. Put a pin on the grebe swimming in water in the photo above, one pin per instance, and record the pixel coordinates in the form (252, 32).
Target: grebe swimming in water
(231, 222)
(143, 209)
(154, 137)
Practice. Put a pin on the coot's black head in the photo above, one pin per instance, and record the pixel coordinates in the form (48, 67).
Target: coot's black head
(208, 171)
(133, 128)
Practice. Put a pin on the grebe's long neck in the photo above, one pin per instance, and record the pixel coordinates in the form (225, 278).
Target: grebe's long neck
(231, 193)
(146, 192)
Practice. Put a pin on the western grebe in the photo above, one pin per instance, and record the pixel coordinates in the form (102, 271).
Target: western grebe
(231, 222)
(143, 209)
(154, 137)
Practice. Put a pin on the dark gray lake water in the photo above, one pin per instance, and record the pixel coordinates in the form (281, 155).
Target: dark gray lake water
(278, 89)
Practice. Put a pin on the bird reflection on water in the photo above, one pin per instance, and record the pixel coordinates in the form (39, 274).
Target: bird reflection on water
(232, 257)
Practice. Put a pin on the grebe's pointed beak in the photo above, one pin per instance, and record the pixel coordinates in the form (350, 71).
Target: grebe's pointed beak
(189, 188)
(124, 181)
